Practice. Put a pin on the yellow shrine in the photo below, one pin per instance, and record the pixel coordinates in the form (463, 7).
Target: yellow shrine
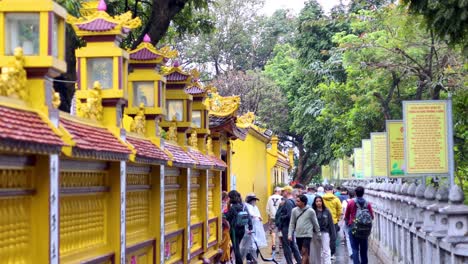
(134, 173)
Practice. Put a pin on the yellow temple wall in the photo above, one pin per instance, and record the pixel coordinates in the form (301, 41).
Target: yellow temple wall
(249, 166)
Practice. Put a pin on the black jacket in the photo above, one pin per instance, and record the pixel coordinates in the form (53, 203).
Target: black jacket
(284, 214)
(325, 220)
(231, 215)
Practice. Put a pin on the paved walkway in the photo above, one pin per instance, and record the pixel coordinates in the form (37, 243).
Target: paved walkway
(341, 254)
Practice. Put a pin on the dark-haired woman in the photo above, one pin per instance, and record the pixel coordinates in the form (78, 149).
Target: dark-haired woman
(237, 232)
(327, 228)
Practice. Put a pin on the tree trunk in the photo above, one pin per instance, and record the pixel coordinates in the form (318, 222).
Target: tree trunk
(385, 103)
(162, 13)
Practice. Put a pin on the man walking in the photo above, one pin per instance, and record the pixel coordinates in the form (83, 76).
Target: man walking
(303, 225)
(334, 205)
(283, 216)
(271, 208)
(310, 195)
(358, 218)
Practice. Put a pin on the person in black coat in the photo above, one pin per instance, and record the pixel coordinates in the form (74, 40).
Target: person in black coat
(327, 228)
(237, 232)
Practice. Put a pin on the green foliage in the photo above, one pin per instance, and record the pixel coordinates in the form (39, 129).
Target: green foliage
(349, 72)
(460, 127)
(243, 40)
(448, 19)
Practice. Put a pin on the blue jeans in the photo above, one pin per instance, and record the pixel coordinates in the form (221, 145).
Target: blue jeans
(359, 246)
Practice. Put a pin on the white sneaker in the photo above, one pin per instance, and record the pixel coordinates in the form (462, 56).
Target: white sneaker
(333, 257)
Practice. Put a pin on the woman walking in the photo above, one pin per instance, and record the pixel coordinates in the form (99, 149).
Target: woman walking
(327, 228)
(239, 218)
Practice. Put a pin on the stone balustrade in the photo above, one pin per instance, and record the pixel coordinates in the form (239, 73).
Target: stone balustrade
(417, 223)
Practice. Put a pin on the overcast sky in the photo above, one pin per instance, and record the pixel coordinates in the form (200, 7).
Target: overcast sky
(296, 5)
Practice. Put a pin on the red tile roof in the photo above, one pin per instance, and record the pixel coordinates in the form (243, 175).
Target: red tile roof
(179, 155)
(147, 150)
(219, 163)
(97, 25)
(95, 141)
(204, 161)
(25, 126)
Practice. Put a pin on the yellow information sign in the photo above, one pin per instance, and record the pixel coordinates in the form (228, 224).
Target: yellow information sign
(426, 148)
(358, 163)
(379, 154)
(345, 167)
(396, 154)
(366, 157)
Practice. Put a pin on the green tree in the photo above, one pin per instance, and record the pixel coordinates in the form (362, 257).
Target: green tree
(244, 40)
(448, 19)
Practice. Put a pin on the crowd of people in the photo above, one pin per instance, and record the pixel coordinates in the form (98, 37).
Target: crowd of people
(302, 222)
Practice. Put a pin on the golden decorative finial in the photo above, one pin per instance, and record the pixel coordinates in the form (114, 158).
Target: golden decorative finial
(172, 132)
(121, 23)
(218, 105)
(93, 107)
(139, 122)
(245, 120)
(193, 141)
(167, 52)
(56, 100)
(13, 77)
(195, 74)
(209, 146)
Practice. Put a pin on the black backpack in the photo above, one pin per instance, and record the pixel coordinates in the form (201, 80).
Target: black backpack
(362, 224)
(279, 213)
(242, 218)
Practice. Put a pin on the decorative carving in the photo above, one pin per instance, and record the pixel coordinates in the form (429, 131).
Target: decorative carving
(82, 222)
(16, 228)
(124, 22)
(209, 146)
(93, 107)
(56, 100)
(169, 53)
(218, 105)
(13, 77)
(159, 130)
(138, 214)
(176, 68)
(245, 120)
(172, 131)
(139, 122)
(170, 209)
(195, 74)
(193, 141)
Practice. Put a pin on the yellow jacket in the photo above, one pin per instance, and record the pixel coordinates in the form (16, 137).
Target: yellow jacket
(334, 205)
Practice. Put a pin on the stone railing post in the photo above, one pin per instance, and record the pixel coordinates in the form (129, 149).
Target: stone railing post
(456, 241)
(418, 237)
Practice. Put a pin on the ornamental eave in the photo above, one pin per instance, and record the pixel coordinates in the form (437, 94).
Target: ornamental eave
(102, 22)
(203, 160)
(91, 140)
(145, 52)
(146, 151)
(24, 130)
(180, 157)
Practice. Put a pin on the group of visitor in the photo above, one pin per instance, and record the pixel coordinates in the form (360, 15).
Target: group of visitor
(304, 220)
(243, 225)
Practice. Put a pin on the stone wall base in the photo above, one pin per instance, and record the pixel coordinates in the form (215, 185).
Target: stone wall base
(383, 254)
